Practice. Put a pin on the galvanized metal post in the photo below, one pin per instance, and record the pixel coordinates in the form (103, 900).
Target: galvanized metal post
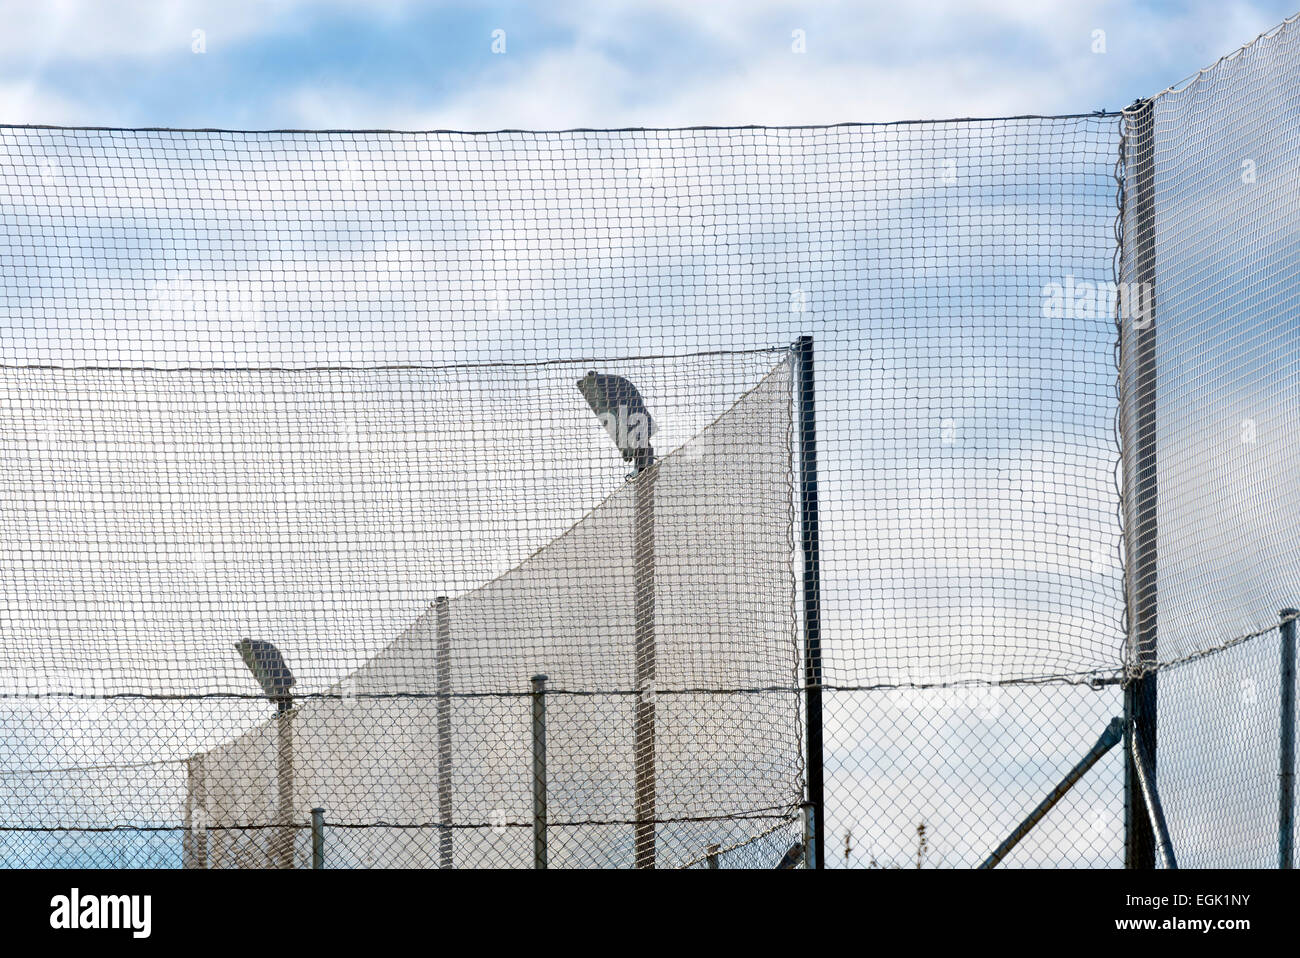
(285, 833)
(810, 536)
(1137, 322)
(809, 835)
(196, 816)
(1286, 749)
(318, 838)
(539, 771)
(712, 857)
(442, 666)
(643, 735)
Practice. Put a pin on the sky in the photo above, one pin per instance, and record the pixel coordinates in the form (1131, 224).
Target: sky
(402, 64)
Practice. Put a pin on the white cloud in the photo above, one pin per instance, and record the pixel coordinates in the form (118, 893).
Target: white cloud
(946, 59)
(87, 31)
(25, 101)
(660, 63)
(585, 87)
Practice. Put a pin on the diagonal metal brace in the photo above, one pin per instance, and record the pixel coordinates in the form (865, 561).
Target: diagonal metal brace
(1109, 739)
(1150, 798)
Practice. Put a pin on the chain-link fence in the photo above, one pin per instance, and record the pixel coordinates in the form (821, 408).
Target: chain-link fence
(319, 447)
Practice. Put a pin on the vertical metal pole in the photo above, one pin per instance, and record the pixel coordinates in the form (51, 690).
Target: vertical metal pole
(442, 665)
(189, 853)
(539, 771)
(712, 857)
(809, 836)
(1286, 750)
(284, 838)
(1138, 419)
(811, 543)
(318, 838)
(644, 720)
(196, 816)
(201, 849)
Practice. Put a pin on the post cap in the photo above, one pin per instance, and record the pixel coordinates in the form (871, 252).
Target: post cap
(1288, 613)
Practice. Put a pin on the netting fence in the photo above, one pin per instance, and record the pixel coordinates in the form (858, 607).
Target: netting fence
(1215, 407)
(307, 476)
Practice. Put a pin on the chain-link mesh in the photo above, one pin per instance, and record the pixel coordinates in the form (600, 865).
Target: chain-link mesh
(327, 396)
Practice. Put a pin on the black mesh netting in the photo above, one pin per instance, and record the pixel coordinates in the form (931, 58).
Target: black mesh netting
(329, 394)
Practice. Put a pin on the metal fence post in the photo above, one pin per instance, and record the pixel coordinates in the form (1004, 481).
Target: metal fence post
(196, 816)
(711, 858)
(810, 842)
(284, 840)
(1286, 746)
(442, 666)
(643, 733)
(318, 838)
(1138, 425)
(539, 771)
(810, 536)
